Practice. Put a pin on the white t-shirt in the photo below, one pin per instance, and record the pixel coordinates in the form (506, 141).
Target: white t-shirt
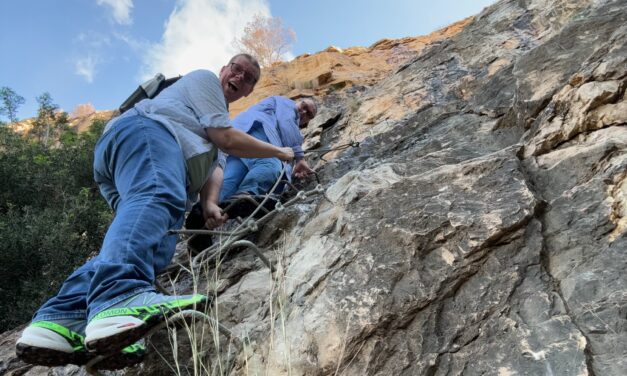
(193, 103)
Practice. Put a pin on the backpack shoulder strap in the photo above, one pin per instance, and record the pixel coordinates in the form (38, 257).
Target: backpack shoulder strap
(148, 89)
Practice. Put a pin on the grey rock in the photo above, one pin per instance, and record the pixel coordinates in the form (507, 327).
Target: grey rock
(478, 229)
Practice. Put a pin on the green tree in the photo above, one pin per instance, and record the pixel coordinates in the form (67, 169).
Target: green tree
(46, 117)
(11, 101)
(52, 218)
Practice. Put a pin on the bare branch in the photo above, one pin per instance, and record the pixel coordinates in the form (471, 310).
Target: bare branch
(266, 39)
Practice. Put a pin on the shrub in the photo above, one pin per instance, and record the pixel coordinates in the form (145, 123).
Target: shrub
(52, 218)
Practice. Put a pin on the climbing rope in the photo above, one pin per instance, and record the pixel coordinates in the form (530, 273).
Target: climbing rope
(354, 144)
(246, 227)
(322, 151)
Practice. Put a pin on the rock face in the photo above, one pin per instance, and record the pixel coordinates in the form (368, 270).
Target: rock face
(334, 69)
(479, 229)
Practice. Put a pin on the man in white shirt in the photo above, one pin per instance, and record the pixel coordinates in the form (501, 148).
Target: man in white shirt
(148, 163)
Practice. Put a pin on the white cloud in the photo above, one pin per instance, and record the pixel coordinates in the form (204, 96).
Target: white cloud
(200, 34)
(90, 52)
(93, 40)
(138, 46)
(121, 10)
(86, 67)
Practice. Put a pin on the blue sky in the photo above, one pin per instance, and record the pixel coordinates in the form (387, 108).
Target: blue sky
(98, 51)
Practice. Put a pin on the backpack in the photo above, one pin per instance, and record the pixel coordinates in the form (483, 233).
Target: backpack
(147, 90)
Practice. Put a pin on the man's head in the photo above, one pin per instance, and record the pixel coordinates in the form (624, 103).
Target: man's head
(307, 110)
(239, 76)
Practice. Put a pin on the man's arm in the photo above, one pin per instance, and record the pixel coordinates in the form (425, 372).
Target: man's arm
(209, 195)
(237, 143)
(287, 120)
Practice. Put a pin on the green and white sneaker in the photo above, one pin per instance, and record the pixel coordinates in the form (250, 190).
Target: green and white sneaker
(130, 320)
(60, 342)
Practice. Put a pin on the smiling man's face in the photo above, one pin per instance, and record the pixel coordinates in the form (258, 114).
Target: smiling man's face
(238, 78)
(306, 111)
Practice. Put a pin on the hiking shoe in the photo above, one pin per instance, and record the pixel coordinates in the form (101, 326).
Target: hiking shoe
(60, 342)
(130, 320)
(243, 205)
(53, 343)
(196, 221)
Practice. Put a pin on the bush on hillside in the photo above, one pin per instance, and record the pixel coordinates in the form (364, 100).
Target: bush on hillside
(52, 217)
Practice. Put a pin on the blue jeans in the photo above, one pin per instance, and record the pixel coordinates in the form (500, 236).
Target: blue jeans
(252, 175)
(140, 170)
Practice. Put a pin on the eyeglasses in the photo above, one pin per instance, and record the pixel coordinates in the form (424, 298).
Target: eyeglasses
(237, 70)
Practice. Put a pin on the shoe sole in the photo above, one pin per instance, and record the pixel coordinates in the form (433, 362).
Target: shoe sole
(116, 342)
(53, 358)
(49, 357)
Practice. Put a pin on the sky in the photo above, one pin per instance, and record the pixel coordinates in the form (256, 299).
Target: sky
(99, 51)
